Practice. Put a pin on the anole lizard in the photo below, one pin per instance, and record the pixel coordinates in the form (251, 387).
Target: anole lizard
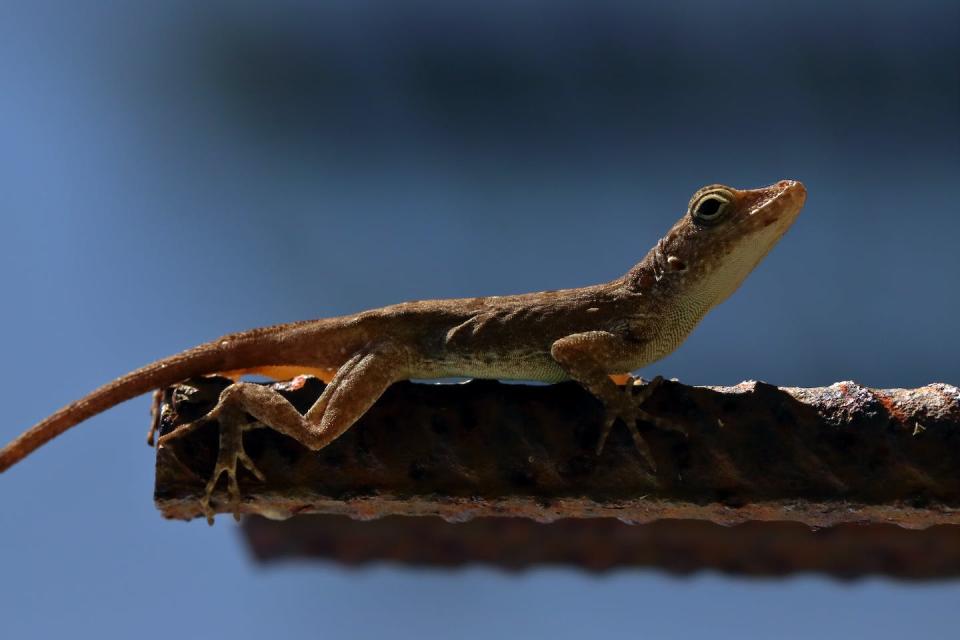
(585, 334)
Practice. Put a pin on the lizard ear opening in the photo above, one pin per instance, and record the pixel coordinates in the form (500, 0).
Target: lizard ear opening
(676, 264)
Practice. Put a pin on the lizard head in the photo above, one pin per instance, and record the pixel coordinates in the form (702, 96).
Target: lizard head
(723, 235)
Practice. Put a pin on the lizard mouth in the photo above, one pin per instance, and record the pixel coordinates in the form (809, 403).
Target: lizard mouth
(780, 202)
(792, 189)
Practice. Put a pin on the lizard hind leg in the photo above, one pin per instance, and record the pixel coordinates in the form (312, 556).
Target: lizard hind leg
(355, 387)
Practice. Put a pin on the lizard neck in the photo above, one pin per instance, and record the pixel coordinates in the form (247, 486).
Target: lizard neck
(671, 308)
(657, 285)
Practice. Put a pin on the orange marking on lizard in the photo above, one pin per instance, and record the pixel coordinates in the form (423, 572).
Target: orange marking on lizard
(281, 372)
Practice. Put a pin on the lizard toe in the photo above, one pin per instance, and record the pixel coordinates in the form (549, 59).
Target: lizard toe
(605, 431)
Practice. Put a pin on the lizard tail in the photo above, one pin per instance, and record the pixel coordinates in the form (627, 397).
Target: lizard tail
(230, 352)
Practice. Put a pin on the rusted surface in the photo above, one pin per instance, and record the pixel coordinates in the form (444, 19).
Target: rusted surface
(600, 544)
(819, 456)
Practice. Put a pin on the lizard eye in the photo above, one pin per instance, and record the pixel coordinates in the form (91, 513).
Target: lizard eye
(710, 207)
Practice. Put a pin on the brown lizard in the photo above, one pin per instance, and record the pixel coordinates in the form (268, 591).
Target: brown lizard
(585, 334)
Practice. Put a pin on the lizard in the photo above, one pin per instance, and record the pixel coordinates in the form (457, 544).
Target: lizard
(594, 335)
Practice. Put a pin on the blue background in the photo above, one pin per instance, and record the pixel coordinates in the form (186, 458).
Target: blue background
(174, 172)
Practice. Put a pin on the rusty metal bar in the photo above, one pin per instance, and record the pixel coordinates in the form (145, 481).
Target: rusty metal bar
(820, 456)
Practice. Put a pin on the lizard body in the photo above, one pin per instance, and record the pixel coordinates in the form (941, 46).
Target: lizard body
(586, 334)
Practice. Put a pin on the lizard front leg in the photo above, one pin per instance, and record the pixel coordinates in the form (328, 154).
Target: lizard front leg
(589, 359)
(357, 384)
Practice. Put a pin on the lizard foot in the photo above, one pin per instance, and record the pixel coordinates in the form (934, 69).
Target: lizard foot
(232, 421)
(231, 452)
(629, 410)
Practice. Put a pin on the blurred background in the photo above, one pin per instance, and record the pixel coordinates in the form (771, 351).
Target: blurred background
(173, 171)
